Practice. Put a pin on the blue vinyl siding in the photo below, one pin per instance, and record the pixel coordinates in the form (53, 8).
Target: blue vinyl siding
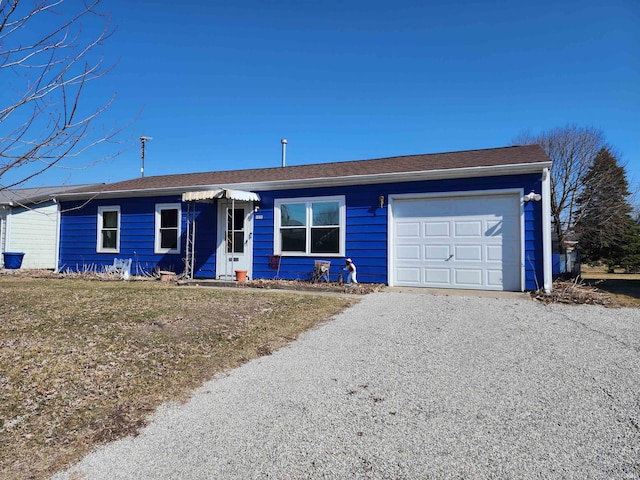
(78, 236)
(366, 230)
(366, 226)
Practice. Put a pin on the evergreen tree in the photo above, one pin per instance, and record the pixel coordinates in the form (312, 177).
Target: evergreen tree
(631, 248)
(604, 219)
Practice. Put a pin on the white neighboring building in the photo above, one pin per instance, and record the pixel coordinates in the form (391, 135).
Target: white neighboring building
(30, 223)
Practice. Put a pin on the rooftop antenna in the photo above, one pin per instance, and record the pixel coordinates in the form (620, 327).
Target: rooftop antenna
(284, 151)
(143, 140)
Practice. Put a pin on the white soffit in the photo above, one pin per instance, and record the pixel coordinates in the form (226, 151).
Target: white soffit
(203, 195)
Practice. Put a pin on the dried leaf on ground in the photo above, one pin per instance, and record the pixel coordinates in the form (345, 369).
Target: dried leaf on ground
(574, 292)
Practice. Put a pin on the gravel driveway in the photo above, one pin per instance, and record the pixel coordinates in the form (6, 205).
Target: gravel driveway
(407, 385)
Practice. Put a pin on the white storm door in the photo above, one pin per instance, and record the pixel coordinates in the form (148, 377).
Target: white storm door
(235, 239)
(465, 242)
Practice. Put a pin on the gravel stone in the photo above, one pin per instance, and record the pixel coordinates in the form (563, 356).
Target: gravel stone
(410, 385)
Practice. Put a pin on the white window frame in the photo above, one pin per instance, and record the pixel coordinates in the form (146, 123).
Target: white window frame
(159, 208)
(99, 247)
(308, 201)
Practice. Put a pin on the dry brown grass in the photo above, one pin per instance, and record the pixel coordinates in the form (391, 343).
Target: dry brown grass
(623, 288)
(590, 272)
(82, 363)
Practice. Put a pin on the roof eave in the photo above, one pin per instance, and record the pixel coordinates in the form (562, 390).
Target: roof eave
(469, 172)
(488, 171)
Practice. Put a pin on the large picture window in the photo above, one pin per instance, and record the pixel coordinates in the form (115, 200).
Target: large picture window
(310, 226)
(108, 230)
(168, 217)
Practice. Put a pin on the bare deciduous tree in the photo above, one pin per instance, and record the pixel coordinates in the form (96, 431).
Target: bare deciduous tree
(572, 150)
(47, 59)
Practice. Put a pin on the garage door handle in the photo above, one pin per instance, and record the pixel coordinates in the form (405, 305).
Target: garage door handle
(450, 257)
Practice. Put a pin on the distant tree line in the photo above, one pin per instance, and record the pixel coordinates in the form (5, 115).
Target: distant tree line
(590, 196)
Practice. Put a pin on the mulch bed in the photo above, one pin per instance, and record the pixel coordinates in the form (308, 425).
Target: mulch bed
(356, 289)
(300, 285)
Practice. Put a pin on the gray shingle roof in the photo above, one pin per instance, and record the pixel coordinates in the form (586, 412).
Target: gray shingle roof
(495, 157)
(27, 196)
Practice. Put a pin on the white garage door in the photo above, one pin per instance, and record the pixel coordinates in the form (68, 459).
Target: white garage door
(468, 242)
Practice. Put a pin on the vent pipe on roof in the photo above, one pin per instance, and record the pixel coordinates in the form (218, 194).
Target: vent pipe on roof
(284, 151)
(143, 140)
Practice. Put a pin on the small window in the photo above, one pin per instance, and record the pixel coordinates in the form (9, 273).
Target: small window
(108, 230)
(168, 217)
(310, 226)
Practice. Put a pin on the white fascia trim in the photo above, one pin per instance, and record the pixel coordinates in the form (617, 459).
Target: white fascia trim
(470, 172)
(546, 231)
(464, 193)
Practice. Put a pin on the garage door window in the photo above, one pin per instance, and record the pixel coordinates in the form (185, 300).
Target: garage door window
(309, 226)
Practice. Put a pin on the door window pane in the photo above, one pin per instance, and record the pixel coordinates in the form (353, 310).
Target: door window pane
(235, 230)
(238, 242)
(238, 219)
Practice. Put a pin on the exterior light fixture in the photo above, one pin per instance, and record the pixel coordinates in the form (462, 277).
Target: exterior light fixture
(536, 197)
(381, 200)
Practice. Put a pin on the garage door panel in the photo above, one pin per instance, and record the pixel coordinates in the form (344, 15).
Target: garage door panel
(494, 253)
(494, 278)
(458, 242)
(408, 275)
(468, 277)
(437, 277)
(437, 252)
(468, 253)
(408, 252)
(436, 229)
(408, 230)
(493, 228)
(468, 228)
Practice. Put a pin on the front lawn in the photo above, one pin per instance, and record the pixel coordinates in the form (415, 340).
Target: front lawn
(86, 362)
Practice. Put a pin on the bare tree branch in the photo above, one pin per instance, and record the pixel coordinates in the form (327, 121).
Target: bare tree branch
(45, 119)
(572, 150)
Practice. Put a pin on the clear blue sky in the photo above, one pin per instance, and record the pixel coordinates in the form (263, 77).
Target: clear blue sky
(218, 84)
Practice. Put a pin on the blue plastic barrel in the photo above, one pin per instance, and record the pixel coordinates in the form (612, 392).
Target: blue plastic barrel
(13, 260)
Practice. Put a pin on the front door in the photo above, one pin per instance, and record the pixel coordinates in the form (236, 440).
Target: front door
(235, 231)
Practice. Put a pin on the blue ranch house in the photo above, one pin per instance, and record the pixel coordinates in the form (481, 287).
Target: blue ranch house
(477, 219)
